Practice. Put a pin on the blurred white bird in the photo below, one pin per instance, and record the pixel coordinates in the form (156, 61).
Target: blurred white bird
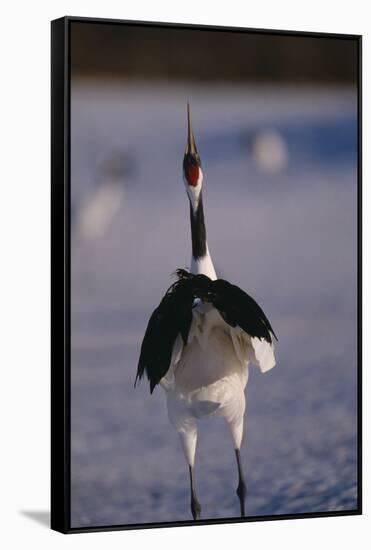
(269, 151)
(102, 205)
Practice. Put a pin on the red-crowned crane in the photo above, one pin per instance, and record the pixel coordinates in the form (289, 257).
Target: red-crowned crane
(201, 338)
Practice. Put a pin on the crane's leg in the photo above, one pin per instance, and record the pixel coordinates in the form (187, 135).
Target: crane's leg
(195, 505)
(241, 489)
(188, 437)
(236, 428)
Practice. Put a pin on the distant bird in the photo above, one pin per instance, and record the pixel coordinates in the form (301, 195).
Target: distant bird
(105, 200)
(269, 151)
(201, 338)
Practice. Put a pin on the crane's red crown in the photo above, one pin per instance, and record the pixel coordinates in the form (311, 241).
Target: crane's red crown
(192, 173)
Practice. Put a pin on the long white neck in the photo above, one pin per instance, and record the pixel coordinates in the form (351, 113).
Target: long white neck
(201, 262)
(203, 265)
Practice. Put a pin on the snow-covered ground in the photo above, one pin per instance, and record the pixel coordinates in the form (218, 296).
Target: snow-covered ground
(286, 234)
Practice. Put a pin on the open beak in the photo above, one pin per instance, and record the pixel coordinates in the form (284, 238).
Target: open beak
(191, 148)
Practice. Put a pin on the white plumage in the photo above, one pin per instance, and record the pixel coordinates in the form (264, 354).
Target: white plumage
(207, 377)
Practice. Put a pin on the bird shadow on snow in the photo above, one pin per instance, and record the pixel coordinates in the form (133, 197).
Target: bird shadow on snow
(42, 517)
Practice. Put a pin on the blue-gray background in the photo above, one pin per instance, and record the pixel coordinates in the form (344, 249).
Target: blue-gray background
(285, 231)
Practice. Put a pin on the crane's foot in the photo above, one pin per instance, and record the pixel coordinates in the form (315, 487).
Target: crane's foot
(195, 508)
(195, 505)
(241, 493)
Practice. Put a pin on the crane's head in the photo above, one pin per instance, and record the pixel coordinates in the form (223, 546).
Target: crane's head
(192, 173)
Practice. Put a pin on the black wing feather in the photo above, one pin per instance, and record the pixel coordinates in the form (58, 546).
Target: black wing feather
(171, 317)
(238, 308)
(174, 316)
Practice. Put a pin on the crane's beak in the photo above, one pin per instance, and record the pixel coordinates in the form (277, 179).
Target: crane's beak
(191, 148)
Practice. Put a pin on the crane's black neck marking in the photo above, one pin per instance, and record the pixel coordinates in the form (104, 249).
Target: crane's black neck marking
(198, 230)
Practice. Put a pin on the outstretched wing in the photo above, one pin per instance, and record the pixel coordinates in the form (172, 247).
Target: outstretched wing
(172, 317)
(239, 309)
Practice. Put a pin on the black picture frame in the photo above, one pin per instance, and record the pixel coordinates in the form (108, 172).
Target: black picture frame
(61, 275)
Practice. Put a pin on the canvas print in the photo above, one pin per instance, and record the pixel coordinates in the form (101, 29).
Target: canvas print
(214, 189)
